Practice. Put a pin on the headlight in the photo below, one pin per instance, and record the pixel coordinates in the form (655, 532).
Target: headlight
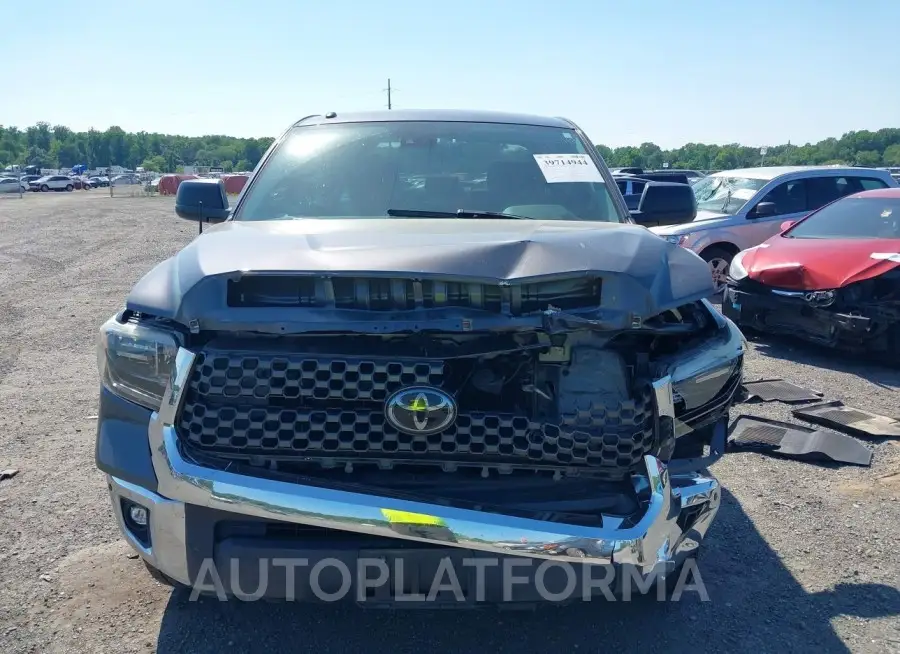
(136, 361)
(736, 270)
(678, 239)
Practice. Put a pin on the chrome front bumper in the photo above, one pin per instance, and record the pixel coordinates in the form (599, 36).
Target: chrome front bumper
(676, 516)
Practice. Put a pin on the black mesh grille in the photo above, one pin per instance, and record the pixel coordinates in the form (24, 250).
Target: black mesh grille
(294, 406)
(274, 377)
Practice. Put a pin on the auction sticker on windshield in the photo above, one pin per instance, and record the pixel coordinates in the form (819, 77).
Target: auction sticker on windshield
(561, 168)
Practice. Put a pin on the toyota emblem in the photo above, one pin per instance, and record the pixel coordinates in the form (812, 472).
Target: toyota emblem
(420, 410)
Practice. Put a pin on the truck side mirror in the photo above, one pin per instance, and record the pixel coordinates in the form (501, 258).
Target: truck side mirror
(202, 200)
(665, 203)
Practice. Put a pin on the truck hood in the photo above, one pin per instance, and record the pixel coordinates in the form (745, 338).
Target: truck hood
(709, 219)
(811, 264)
(642, 275)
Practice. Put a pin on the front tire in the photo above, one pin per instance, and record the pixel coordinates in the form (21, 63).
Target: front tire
(45, 188)
(719, 260)
(69, 187)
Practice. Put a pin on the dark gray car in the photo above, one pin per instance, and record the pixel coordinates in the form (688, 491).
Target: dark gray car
(446, 321)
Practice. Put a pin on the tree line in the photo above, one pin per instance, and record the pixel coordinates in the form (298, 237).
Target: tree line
(60, 147)
(863, 148)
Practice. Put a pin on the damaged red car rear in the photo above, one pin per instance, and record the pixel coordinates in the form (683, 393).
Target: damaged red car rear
(832, 278)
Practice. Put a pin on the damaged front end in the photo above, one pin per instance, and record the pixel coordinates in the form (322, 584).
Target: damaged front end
(861, 317)
(534, 413)
(562, 431)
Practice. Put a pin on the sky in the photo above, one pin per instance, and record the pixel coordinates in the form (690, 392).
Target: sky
(759, 72)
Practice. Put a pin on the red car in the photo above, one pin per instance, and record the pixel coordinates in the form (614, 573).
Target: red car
(832, 277)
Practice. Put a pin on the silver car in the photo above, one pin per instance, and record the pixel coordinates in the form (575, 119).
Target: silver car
(12, 185)
(125, 180)
(737, 209)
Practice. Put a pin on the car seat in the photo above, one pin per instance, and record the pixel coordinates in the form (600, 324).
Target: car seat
(513, 183)
(795, 199)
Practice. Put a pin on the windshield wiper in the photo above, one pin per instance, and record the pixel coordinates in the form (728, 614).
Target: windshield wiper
(459, 213)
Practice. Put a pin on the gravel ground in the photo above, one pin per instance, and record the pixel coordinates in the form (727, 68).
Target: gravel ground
(801, 558)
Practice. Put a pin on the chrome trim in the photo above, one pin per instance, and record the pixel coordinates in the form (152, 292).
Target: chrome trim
(654, 541)
(819, 298)
(167, 551)
(664, 403)
(174, 395)
(665, 399)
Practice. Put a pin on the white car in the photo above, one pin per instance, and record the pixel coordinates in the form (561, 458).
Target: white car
(738, 209)
(53, 183)
(12, 185)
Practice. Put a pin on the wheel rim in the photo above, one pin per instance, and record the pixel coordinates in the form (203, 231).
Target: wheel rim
(718, 268)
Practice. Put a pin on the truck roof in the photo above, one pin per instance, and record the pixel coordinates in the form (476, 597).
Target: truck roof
(437, 115)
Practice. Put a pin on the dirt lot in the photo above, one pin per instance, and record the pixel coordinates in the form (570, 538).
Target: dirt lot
(802, 557)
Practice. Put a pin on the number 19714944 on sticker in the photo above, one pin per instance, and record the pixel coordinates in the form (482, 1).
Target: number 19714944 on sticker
(562, 168)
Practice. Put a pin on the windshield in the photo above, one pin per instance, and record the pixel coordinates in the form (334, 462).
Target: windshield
(852, 217)
(724, 194)
(410, 168)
